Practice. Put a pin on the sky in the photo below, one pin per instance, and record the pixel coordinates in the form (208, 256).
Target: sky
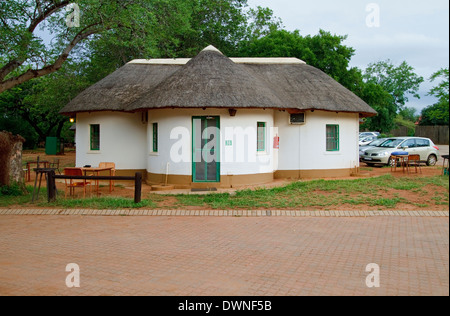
(415, 31)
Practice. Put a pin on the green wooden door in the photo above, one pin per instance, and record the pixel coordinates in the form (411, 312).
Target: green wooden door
(206, 149)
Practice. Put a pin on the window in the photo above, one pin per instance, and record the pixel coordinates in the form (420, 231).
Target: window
(391, 143)
(332, 137)
(155, 137)
(422, 142)
(95, 137)
(410, 143)
(261, 137)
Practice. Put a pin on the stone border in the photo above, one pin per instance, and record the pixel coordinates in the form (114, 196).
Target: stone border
(222, 213)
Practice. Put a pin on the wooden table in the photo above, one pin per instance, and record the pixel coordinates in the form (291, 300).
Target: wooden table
(96, 172)
(403, 160)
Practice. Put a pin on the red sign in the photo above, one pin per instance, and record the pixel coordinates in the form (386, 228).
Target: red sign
(276, 142)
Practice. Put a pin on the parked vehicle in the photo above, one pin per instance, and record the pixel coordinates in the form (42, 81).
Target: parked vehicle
(373, 144)
(367, 140)
(365, 134)
(381, 155)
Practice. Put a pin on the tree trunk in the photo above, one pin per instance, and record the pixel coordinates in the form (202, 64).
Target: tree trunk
(11, 159)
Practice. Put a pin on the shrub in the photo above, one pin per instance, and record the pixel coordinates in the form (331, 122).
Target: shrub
(14, 189)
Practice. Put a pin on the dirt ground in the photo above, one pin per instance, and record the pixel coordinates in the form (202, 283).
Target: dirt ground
(126, 189)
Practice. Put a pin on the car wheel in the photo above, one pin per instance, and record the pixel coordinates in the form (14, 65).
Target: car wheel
(432, 160)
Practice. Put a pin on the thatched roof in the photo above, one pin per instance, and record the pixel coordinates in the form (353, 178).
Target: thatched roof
(212, 80)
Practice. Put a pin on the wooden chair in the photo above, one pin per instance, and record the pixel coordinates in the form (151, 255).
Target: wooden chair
(55, 164)
(109, 165)
(73, 184)
(414, 161)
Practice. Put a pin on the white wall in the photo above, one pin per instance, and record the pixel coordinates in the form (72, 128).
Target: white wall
(126, 141)
(123, 140)
(303, 147)
(239, 158)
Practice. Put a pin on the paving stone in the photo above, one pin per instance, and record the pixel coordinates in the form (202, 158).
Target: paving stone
(224, 255)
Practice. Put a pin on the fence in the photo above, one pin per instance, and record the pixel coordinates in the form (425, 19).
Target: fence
(438, 134)
(51, 183)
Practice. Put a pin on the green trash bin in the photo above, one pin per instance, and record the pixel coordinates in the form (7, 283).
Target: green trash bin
(52, 146)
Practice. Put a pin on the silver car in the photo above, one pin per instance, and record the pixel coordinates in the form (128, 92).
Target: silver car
(365, 134)
(366, 140)
(375, 143)
(381, 155)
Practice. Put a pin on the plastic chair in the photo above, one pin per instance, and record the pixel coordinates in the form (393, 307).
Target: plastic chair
(73, 184)
(414, 161)
(113, 170)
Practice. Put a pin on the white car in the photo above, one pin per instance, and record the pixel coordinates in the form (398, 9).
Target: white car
(365, 134)
(382, 154)
(373, 144)
(367, 140)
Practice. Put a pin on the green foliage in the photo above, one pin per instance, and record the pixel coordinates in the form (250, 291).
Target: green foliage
(438, 114)
(113, 32)
(409, 114)
(411, 126)
(124, 30)
(386, 88)
(324, 51)
(441, 91)
(13, 189)
(35, 105)
(400, 81)
(382, 102)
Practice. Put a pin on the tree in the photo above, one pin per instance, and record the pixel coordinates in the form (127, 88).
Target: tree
(409, 114)
(382, 102)
(158, 29)
(438, 114)
(400, 81)
(25, 55)
(262, 22)
(441, 91)
(324, 51)
(37, 103)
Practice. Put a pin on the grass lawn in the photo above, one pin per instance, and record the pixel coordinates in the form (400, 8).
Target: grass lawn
(385, 192)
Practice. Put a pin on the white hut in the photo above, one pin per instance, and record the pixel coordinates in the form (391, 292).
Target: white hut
(214, 121)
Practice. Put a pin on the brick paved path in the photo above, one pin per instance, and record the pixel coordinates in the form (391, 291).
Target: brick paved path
(223, 255)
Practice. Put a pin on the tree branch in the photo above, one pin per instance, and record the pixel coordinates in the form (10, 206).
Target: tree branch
(45, 14)
(31, 74)
(16, 63)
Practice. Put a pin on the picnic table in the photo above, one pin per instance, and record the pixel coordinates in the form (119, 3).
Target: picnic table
(399, 159)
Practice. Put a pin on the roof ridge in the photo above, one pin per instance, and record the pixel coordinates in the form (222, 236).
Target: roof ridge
(211, 48)
(236, 60)
(232, 81)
